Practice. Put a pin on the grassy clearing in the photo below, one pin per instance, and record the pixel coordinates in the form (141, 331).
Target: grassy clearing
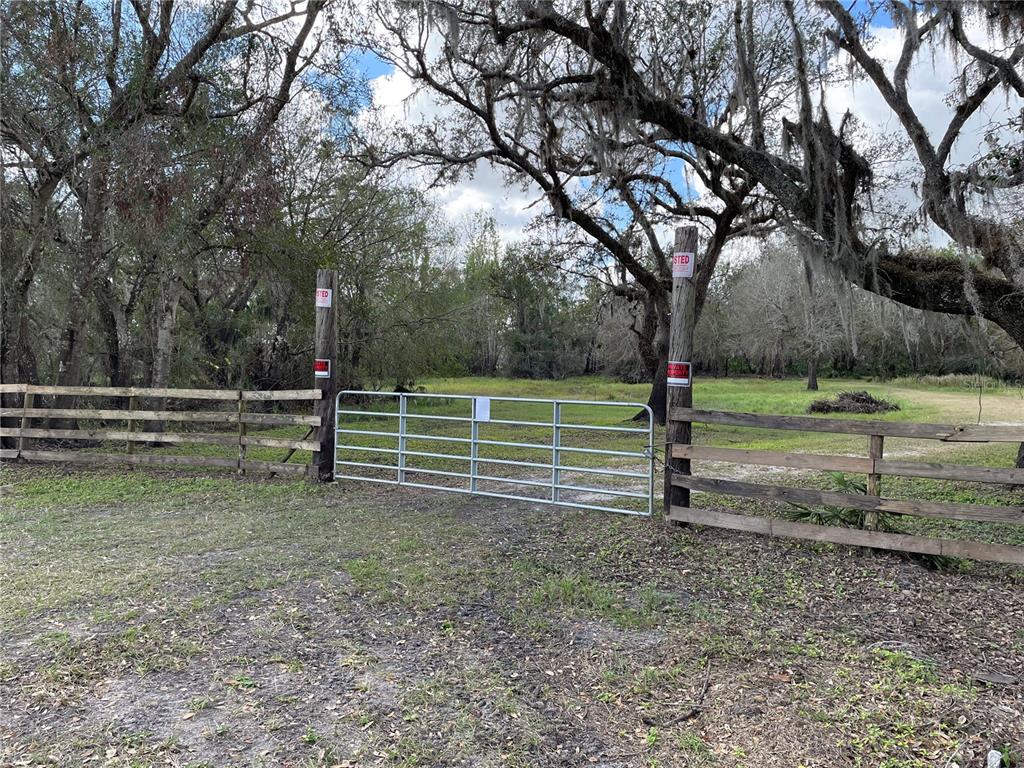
(181, 620)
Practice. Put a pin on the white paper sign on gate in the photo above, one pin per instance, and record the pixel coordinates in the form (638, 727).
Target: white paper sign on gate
(482, 408)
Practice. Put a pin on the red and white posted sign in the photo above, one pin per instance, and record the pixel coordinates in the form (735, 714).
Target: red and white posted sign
(322, 368)
(323, 297)
(682, 264)
(678, 374)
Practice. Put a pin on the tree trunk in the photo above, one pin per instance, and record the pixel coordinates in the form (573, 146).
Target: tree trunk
(658, 400)
(652, 346)
(17, 358)
(165, 326)
(654, 353)
(115, 333)
(71, 372)
(812, 373)
(1019, 464)
(163, 349)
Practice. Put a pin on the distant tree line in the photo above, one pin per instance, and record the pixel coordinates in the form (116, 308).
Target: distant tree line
(764, 315)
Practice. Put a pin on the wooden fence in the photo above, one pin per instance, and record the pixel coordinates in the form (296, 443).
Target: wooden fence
(133, 416)
(873, 465)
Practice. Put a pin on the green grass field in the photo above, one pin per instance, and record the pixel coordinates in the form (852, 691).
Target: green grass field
(944, 401)
(918, 402)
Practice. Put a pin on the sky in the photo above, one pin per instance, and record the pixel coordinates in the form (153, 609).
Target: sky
(484, 191)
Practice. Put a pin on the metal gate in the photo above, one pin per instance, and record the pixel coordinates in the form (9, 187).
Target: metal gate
(391, 443)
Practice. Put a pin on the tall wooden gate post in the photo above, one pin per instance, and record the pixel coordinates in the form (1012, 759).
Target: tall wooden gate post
(680, 356)
(325, 347)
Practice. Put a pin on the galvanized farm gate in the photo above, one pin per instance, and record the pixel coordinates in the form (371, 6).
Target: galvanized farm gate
(405, 438)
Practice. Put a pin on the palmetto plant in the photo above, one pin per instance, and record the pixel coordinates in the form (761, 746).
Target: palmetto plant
(842, 517)
(847, 517)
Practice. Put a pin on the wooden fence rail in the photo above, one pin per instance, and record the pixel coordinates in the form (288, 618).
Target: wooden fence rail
(132, 415)
(874, 466)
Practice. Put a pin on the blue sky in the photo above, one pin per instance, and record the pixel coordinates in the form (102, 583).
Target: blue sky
(371, 65)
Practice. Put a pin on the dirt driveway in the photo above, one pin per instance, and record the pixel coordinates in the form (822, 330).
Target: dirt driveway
(154, 619)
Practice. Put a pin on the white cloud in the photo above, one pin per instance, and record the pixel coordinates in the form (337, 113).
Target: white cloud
(932, 79)
(396, 99)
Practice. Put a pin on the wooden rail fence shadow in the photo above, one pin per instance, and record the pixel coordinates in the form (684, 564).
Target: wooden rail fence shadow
(873, 465)
(132, 416)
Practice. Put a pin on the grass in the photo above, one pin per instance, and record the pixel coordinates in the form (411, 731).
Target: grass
(176, 618)
(943, 400)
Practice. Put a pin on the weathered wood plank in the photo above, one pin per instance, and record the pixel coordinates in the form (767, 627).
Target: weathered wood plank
(1001, 553)
(282, 394)
(272, 419)
(914, 507)
(182, 394)
(108, 434)
(987, 433)
(859, 465)
(774, 458)
(8, 453)
(276, 467)
(970, 433)
(983, 550)
(12, 389)
(113, 414)
(730, 520)
(956, 472)
(281, 419)
(82, 457)
(280, 442)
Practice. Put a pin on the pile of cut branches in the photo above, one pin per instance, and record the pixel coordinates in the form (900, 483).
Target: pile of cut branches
(852, 402)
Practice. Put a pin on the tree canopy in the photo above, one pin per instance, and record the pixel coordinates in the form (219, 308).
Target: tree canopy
(623, 113)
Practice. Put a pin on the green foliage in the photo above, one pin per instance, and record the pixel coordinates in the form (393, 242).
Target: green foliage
(544, 336)
(842, 517)
(848, 517)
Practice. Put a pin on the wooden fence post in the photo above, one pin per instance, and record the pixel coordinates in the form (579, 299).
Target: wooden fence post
(26, 403)
(680, 351)
(129, 444)
(325, 348)
(241, 433)
(874, 485)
